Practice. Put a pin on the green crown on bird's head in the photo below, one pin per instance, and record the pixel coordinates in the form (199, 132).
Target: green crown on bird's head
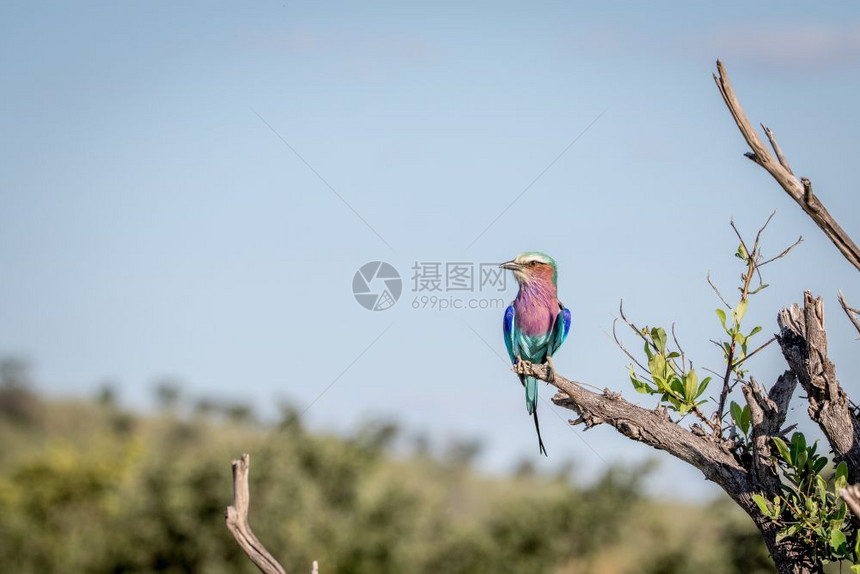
(531, 263)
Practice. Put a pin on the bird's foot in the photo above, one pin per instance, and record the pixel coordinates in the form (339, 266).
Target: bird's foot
(522, 367)
(550, 370)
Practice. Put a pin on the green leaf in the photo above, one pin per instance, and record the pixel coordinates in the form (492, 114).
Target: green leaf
(677, 386)
(819, 464)
(842, 470)
(702, 386)
(741, 253)
(741, 309)
(787, 532)
(856, 567)
(841, 479)
(798, 444)
(821, 487)
(639, 386)
(691, 385)
(735, 411)
(754, 331)
(762, 504)
(648, 351)
(745, 419)
(722, 315)
(856, 554)
(658, 335)
(657, 366)
(838, 541)
(783, 449)
(802, 457)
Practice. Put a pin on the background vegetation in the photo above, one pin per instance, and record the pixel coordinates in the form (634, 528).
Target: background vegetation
(88, 487)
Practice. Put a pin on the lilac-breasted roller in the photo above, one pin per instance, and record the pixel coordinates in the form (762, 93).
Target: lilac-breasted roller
(536, 323)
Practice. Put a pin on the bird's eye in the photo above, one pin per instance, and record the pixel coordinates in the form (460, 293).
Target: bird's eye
(533, 263)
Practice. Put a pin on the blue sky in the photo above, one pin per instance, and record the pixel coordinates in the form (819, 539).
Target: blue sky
(152, 223)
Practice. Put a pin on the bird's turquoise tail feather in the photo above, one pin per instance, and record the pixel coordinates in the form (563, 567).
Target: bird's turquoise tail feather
(531, 394)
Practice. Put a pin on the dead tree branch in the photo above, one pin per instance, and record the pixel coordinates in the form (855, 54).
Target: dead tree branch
(853, 314)
(767, 415)
(651, 427)
(710, 454)
(777, 167)
(237, 521)
(804, 345)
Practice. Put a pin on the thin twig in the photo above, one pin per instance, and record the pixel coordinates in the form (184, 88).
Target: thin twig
(853, 314)
(677, 344)
(738, 233)
(747, 277)
(623, 348)
(717, 291)
(738, 363)
(772, 139)
(630, 324)
(761, 230)
(784, 253)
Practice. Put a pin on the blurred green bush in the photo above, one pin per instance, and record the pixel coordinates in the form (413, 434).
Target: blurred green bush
(87, 487)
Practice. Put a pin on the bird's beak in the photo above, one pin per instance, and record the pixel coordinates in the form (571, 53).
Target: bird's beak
(511, 265)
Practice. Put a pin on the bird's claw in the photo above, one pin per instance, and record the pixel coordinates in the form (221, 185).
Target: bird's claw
(550, 370)
(523, 367)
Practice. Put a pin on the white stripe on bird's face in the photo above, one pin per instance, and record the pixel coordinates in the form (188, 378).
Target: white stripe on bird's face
(530, 264)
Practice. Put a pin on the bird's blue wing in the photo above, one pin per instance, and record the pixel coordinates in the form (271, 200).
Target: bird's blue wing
(560, 329)
(509, 328)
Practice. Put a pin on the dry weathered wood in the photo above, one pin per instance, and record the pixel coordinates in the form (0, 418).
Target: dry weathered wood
(804, 346)
(778, 168)
(853, 314)
(711, 455)
(767, 415)
(237, 521)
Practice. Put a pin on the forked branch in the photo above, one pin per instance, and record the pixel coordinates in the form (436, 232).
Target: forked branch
(799, 189)
(237, 521)
(652, 427)
(853, 314)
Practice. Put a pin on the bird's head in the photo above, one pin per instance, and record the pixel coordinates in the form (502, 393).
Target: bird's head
(532, 266)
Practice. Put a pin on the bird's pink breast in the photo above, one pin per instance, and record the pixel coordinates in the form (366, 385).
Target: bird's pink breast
(535, 310)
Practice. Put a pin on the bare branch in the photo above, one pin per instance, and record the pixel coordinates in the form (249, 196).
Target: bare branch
(853, 314)
(770, 137)
(680, 348)
(651, 427)
(785, 252)
(769, 341)
(799, 190)
(738, 233)
(623, 348)
(767, 414)
(804, 346)
(717, 291)
(760, 231)
(237, 520)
